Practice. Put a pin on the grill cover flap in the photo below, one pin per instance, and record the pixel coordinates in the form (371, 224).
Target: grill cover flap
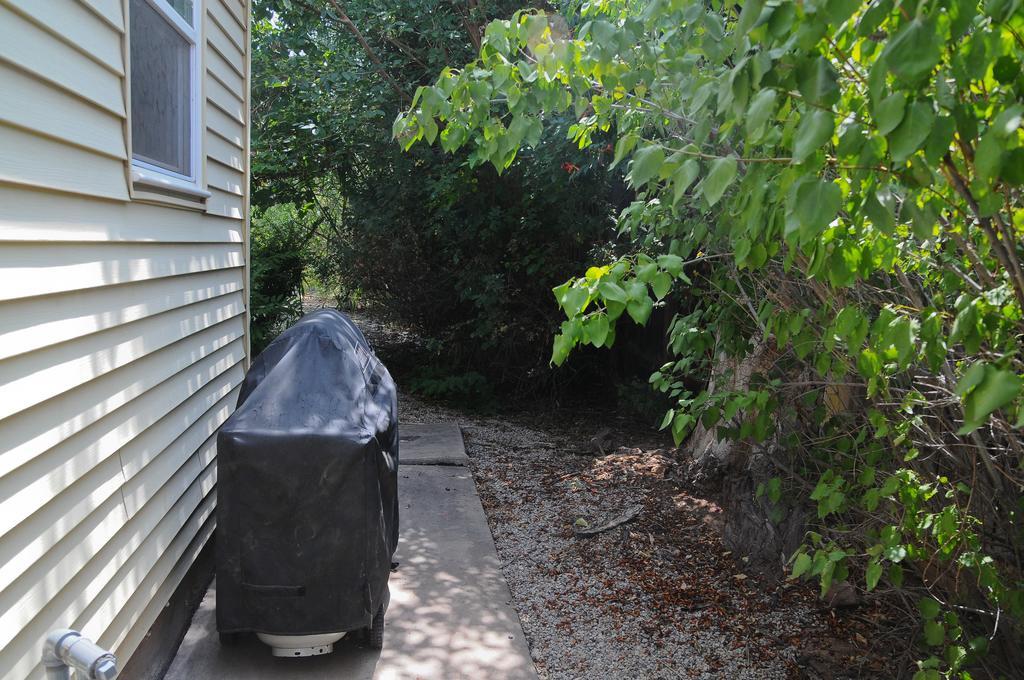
(307, 485)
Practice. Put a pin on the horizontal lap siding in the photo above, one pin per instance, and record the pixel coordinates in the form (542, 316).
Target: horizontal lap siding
(24, 599)
(226, 179)
(41, 269)
(25, 489)
(228, 25)
(227, 100)
(45, 110)
(122, 331)
(46, 216)
(34, 430)
(220, 65)
(62, 114)
(36, 538)
(29, 325)
(108, 10)
(76, 24)
(35, 161)
(224, 126)
(43, 52)
(221, 151)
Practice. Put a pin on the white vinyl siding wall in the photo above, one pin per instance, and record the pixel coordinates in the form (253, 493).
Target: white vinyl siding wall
(122, 328)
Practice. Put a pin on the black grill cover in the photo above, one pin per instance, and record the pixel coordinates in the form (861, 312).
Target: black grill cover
(307, 485)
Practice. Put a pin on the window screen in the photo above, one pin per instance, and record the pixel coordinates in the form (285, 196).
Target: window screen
(182, 7)
(161, 60)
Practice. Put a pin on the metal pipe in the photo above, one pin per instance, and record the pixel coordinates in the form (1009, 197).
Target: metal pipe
(66, 650)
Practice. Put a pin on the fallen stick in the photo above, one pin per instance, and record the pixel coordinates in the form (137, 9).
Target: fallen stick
(628, 515)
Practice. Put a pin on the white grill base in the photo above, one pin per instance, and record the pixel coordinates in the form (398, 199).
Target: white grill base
(300, 645)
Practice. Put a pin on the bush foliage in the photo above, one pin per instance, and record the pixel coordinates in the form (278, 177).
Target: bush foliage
(279, 239)
(461, 254)
(836, 186)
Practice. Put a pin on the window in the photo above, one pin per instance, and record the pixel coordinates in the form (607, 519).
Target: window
(164, 50)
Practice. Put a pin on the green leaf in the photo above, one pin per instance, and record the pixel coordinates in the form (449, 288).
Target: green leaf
(562, 346)
(680, 424)
(673, 264)
(912, 132)
(939, 140)
(896, 575)
(741, 250)
(988, 157)
(1007, 122)
(934, 633)
(640, 309)
(646, 164)
(598, 327)
(636, 290)
(749, 15)
(895, 553)
(827, 573)
(614, 310)
(914, 52)
(889, 112)
(817, 82)
(573, 300)
(801, 565)
(683, 178)
(603, 34)
(623, 147)
(1006, 69)
(816, 205)
(1012, 171)
(873, 17)
(815, 130)
(839, 11)
(872, 574)
(646, 269)
(720, 176)
(761, 108)
(611, 291)
(669, 415)
(997, 389)
(928, 607)
(879, 214)
(972, 378)
(661, 284)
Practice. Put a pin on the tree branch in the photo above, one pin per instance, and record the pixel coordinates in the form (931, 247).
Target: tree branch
(344, 18)
(998, 246)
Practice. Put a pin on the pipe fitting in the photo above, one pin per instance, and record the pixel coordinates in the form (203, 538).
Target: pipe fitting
(66, 650)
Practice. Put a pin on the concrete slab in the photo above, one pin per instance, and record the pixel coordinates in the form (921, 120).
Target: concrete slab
(450, 614)
(431, 444)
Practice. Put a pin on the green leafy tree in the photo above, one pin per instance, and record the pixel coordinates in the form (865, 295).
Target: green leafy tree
(457, 251)
(835, 185)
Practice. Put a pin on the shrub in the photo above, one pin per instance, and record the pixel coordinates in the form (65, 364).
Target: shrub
(836, 185)
(279, 237)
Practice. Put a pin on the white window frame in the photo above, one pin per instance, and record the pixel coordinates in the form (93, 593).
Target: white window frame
(148, 175)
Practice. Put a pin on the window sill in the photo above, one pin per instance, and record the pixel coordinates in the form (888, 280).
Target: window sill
(155, 183)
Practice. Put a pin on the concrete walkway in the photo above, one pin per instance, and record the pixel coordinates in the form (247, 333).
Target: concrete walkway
(450, 614)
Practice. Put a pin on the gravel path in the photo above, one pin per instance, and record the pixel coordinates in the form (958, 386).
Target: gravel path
(657, 597)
